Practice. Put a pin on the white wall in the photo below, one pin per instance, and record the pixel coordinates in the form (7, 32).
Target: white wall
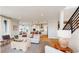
(14, 27)
(52, 28)
(10, 24)
(61, 20)
(0, 27)
(74, 41)
(68, 12)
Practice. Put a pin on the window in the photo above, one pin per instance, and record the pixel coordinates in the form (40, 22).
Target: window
(23, 28)
(5, 26)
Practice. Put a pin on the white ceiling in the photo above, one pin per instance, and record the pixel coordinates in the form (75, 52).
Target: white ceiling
(30, 13)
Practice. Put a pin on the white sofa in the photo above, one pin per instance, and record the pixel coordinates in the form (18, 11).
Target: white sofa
(49, 49)
(24, 45)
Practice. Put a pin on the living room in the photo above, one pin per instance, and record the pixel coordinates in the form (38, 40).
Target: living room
(35, 29)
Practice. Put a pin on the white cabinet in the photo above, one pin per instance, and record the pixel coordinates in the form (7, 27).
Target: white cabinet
(36, 38)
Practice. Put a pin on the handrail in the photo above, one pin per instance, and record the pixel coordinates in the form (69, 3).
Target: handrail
(73, 22)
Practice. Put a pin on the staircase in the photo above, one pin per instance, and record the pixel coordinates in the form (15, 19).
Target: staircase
(73, 22)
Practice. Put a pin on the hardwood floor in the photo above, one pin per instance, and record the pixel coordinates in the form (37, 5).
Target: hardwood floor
(44, 38)
(36, 48)
(50, 41)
